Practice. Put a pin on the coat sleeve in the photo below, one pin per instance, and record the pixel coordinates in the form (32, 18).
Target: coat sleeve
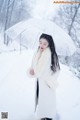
(51, 80)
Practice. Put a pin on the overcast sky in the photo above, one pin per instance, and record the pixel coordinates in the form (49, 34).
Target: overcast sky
(45, 9)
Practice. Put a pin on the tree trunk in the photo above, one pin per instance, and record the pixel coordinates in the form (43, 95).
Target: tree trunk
(9, 10)
(73, 19)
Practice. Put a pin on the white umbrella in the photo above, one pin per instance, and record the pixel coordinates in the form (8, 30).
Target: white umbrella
(30, 30)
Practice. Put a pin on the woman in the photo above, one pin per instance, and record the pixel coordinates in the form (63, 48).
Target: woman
(45, 68)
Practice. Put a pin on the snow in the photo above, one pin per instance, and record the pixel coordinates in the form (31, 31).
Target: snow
(45, 9)
(17, 90)
(12, 45)
(68, 97)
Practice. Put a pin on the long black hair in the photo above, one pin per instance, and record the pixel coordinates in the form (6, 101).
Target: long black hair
(54, 57)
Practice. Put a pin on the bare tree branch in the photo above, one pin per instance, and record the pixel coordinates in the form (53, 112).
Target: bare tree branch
(73, 19)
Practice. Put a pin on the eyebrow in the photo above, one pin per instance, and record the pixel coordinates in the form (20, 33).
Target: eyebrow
(44, 42)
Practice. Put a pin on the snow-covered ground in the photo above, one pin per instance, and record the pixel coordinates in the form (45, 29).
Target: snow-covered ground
(17, 90)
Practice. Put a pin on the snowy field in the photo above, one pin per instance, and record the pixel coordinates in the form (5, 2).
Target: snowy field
(17, 90)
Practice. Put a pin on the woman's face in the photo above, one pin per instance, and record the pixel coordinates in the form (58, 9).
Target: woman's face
(43, 44)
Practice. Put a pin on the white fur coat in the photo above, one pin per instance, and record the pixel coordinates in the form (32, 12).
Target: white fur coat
(47, 83)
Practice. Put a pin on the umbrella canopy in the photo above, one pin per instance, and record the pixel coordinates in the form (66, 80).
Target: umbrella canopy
(30, 30)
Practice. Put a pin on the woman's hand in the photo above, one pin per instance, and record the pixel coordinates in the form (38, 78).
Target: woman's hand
(31, 71)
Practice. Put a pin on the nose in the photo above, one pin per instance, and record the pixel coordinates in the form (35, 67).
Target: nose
(41, 45)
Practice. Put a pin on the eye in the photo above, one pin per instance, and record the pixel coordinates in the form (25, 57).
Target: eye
(45, 43)
(40, 43)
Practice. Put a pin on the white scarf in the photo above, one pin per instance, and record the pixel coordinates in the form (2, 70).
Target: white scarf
(39, 62)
